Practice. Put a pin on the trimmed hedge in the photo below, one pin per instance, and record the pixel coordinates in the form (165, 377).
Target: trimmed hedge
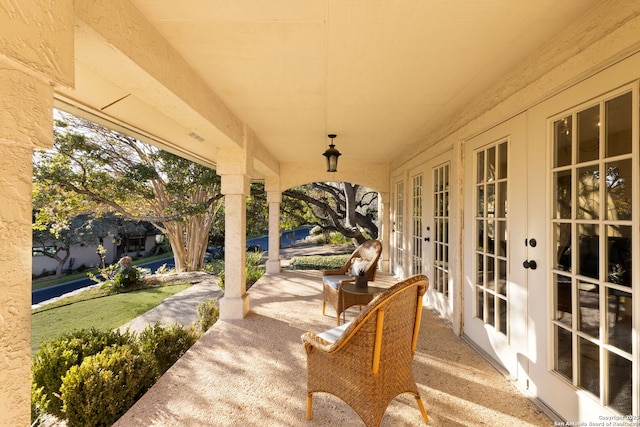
(318, 262)
(55, 357)
(91, 377)
(166, 344)
(209, 312)
(102, 388)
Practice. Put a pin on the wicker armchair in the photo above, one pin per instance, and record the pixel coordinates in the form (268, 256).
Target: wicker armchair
(364, 257)
(369, 362)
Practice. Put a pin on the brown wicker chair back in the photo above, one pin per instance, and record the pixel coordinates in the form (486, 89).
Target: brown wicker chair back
(372, 360)
(367, 254)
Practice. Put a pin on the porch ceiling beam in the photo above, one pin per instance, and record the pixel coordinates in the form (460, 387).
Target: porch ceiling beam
(150, 85)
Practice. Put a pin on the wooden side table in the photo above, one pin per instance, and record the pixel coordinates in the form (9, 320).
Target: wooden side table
(352, 295)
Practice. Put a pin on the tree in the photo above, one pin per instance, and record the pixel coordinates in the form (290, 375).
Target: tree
(348, 208)
(57, 245)
(257, 216)
(100, 170)
(84, 228)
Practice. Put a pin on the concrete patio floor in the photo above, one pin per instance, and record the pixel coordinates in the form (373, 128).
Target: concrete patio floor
(252, 372)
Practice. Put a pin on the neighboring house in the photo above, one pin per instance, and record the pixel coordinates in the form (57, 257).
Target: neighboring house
(503, 138)
(87, 255)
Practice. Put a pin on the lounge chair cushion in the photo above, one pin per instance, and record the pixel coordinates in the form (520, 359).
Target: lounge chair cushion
(334, 281)
(333, 334)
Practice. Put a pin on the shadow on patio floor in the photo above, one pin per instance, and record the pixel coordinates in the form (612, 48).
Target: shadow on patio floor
(252, 372)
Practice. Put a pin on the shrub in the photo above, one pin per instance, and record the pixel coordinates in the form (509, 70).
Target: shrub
(253, 259)
(104, 386)
(55, 357)
(106, 274)
(126, 277)
(119, 276)
(209, 312)
(92, 377)
(253, 269)
(337, 238)
(38, 402)
(163, 269)
(215, 266)
(253, 274)
(166, 344)
(317, 230)
(318, 262)
(221, 280)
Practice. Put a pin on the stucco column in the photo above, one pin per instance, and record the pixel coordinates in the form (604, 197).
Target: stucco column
(273, 263)
(26, 122)
(383, 229)
(236, 303)
(274, 198)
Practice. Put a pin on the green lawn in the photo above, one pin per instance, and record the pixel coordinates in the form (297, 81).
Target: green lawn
(90, 309)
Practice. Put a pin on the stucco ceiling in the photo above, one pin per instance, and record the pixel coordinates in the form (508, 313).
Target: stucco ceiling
(381, 74)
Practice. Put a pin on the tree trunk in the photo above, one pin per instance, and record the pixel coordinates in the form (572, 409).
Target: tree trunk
(350, 221)
(61, 260)
(189, 238)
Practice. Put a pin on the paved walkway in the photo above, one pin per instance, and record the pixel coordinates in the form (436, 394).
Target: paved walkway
(180, 308)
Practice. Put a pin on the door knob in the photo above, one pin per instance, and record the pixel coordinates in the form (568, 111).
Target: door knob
(426, 239)
(530, 264)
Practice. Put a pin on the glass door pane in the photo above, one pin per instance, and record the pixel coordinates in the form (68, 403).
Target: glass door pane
(441, 229)
(417, 233)
(398, 230)
(491, 233)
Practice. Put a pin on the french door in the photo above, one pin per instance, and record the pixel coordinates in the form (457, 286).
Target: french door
(550, 244)
(500, 255)
(594, 236)
(399, 231)
(430, 199)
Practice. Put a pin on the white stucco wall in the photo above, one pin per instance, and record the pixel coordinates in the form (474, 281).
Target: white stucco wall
(36, 52)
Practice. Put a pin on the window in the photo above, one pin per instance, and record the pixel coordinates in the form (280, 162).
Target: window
(43, 250)
(135, 244)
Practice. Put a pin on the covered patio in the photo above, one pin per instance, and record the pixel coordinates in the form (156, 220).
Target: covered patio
(253, 372)
(428, 99)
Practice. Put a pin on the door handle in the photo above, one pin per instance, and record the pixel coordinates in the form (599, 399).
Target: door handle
(426, 239)
(530, 264)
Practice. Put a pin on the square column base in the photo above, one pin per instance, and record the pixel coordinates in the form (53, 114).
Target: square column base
(235, 308)
(273, 266)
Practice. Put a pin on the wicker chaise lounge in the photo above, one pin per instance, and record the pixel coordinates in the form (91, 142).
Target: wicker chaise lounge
(365, 257)
(369, 362)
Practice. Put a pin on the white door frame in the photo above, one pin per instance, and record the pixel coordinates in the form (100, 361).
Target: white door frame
(509, 349)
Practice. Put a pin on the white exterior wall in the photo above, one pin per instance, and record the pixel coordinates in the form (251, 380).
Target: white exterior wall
(604, 64)
(86, 255)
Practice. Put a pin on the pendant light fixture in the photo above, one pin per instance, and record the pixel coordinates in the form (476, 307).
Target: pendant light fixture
(332, 155)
